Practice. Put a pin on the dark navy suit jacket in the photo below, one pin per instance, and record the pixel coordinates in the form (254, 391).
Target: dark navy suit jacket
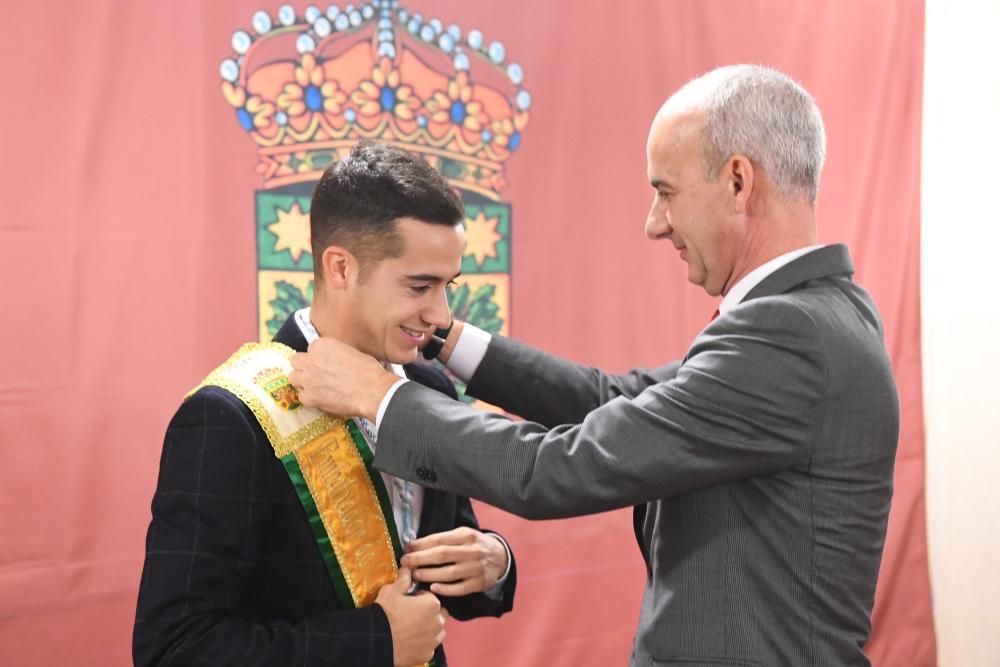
(233, 575)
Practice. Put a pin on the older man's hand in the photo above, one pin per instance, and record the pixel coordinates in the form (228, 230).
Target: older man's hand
(338, 379)
(458, 561)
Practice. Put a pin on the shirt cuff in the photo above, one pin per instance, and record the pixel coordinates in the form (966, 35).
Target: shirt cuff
(469, 352)
(384, 405)
(495, 592)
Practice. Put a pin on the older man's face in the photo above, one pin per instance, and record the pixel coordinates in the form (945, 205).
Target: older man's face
(688, 209)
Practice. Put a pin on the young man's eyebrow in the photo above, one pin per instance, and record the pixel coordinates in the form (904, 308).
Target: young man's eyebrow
(430, 278)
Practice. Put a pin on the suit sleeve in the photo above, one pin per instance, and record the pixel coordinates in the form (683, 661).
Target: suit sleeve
(747, 401)
(475, 605)
(207, 518)
(549, 390)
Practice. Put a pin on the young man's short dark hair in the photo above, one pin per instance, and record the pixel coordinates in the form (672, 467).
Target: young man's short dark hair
(359, 199)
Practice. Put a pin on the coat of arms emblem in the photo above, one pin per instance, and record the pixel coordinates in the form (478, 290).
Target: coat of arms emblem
(306, 87)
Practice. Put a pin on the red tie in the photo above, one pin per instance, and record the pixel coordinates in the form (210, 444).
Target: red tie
(714, 315)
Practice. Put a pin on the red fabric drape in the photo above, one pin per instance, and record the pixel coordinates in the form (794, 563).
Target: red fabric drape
(128, 271)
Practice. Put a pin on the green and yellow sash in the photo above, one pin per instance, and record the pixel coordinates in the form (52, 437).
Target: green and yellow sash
(330, 465)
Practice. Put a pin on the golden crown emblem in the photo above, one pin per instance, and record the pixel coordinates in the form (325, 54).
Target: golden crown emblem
(306, 88)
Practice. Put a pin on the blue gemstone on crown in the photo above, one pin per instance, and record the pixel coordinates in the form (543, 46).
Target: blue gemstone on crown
(314, 98)
(245, 119)
(387, 98)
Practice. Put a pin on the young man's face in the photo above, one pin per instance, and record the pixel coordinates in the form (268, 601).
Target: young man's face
(399, 301)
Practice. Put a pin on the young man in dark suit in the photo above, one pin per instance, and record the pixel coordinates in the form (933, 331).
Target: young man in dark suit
(273, 540)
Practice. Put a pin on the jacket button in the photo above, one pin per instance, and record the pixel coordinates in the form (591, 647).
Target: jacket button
(422, 474)
(432, 476)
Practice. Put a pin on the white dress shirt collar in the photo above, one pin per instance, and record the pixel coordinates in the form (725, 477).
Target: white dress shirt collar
(754, 278)
(302, 319)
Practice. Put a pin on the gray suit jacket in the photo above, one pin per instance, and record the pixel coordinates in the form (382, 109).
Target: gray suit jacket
(765, 456)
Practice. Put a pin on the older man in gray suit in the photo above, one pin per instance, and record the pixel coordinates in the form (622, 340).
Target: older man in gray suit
(761, 464)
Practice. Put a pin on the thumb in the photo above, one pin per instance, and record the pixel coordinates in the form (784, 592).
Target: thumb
(404, 580)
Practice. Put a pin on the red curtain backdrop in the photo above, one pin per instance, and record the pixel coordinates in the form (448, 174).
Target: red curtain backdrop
(128, 270)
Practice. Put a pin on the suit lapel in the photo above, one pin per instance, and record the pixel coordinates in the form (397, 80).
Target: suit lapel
(290, 335)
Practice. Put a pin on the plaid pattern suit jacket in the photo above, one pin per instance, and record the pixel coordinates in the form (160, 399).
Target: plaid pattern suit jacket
(233, 575)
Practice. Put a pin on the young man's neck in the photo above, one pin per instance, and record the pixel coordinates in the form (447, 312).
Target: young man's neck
(329, 320)
(333, 319)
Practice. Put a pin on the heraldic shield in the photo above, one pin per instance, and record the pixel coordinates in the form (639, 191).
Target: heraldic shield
(305, 88)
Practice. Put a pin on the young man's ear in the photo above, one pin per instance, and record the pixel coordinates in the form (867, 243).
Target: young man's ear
(340, 267)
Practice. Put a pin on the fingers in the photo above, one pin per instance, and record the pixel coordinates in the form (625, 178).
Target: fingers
(431, 557)
(404, 580)
(322, 343)
(308, 397)
(307, 400)
(449, 546)
(297, 375)
(449, 573)
(446, 555)
(461, 535)
(297, 378)
(416, 622)
(427, 602)
(459, 588)
(398, 588)
(443, 615)
(461, 562)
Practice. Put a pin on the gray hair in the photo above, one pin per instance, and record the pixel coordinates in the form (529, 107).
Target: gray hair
(762, 114)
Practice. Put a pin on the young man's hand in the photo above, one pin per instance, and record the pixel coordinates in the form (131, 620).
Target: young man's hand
(415, 621)
(457, 562)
